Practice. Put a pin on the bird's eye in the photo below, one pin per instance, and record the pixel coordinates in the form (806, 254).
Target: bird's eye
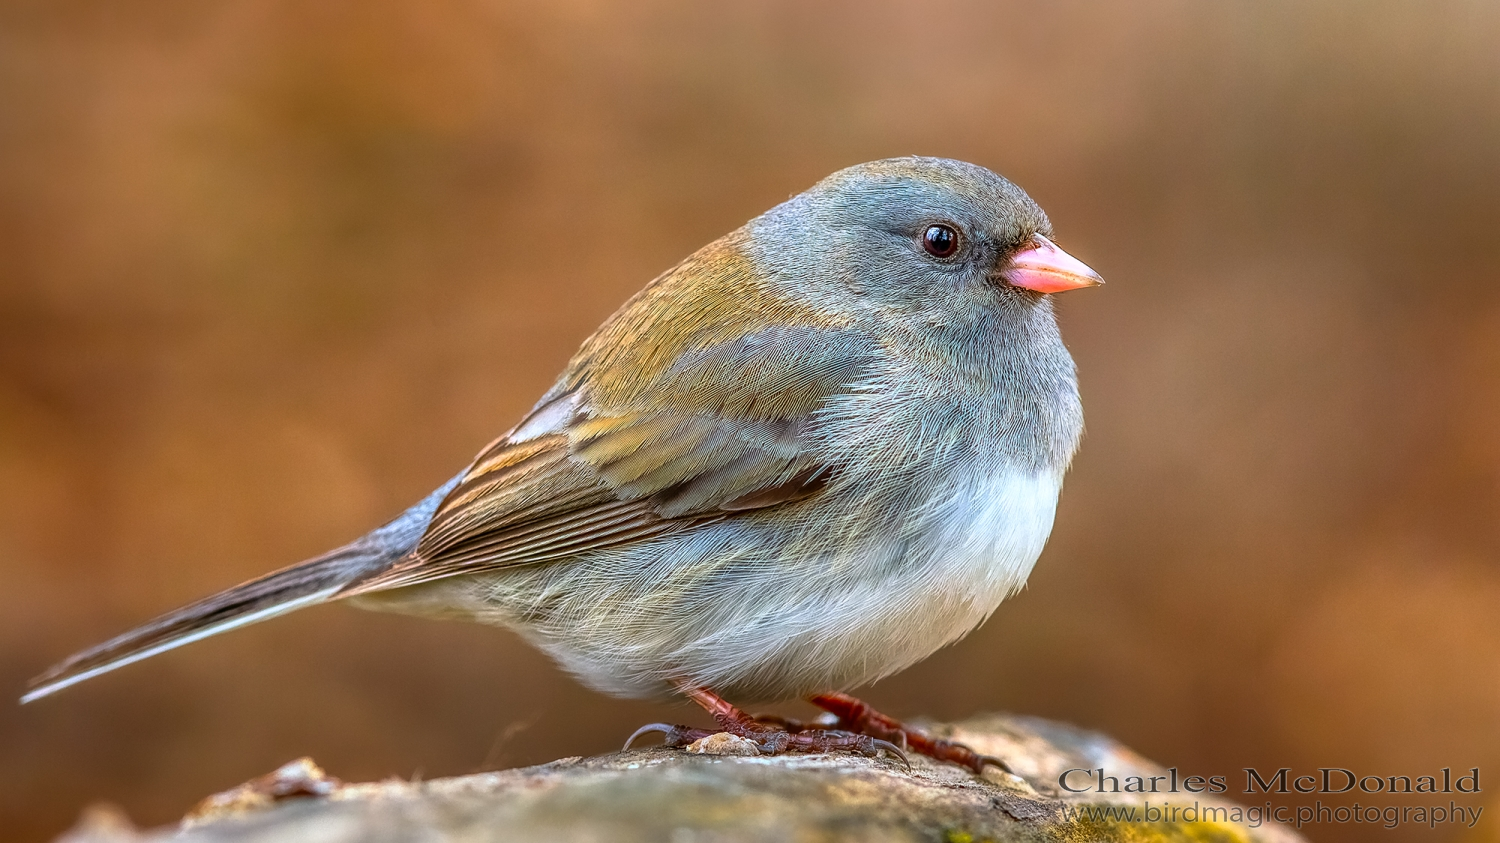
(940, 241)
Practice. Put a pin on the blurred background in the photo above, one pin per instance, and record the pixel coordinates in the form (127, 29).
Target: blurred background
(271, 271)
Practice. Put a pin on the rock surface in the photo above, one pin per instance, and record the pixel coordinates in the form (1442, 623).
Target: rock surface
(719, 793)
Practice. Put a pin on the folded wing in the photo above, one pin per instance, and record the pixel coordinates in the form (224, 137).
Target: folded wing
(723, 430)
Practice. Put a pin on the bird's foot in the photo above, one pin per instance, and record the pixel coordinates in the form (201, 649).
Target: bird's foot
(858, 717)
(776, 741)
(769, 736)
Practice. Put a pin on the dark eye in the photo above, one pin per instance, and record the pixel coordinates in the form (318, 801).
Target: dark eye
(940, 241)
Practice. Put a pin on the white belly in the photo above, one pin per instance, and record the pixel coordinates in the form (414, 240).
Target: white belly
(761, 616)
(979, 548)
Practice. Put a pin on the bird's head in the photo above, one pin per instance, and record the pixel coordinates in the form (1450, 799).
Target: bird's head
(933, 239)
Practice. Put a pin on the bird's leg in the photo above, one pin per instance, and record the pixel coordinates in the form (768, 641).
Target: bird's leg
(786, 724)
(856, 716)
(769, 738)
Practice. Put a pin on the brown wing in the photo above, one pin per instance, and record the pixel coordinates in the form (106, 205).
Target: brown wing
(724, 431)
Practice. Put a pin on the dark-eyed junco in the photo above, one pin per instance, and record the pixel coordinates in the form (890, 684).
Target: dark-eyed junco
(806, 457)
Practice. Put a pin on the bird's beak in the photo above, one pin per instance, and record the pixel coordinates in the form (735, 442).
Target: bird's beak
(1047, 269)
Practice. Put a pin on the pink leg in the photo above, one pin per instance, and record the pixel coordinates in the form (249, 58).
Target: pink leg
(856, 716)
(770, 738)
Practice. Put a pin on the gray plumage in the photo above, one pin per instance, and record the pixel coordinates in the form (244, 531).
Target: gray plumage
(799, 461)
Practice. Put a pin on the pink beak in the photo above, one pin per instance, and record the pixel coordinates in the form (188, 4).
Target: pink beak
(1047, 269)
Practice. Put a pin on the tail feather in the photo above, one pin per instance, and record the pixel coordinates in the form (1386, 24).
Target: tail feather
(274, 594)
(305, 584)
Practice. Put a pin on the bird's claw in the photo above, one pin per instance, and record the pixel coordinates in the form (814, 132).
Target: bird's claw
(982, 761)
(878, 746)
(776, 742)
(671, 734)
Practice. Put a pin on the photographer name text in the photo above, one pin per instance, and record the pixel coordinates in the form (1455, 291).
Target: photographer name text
(1322, 780)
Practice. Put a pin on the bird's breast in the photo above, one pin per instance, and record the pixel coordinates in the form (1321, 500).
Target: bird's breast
(875, 609)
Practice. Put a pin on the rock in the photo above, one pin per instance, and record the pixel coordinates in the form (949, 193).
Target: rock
(718, 794)
(723, 743)
(289, 781)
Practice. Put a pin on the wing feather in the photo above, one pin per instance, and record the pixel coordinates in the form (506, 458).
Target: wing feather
(729, 434)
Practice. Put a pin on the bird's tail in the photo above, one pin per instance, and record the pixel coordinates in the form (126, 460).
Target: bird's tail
(287, 590)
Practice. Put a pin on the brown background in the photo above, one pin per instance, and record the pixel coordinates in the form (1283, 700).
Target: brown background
(270, 271)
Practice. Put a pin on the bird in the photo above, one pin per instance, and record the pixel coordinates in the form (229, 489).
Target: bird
(811, 454)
